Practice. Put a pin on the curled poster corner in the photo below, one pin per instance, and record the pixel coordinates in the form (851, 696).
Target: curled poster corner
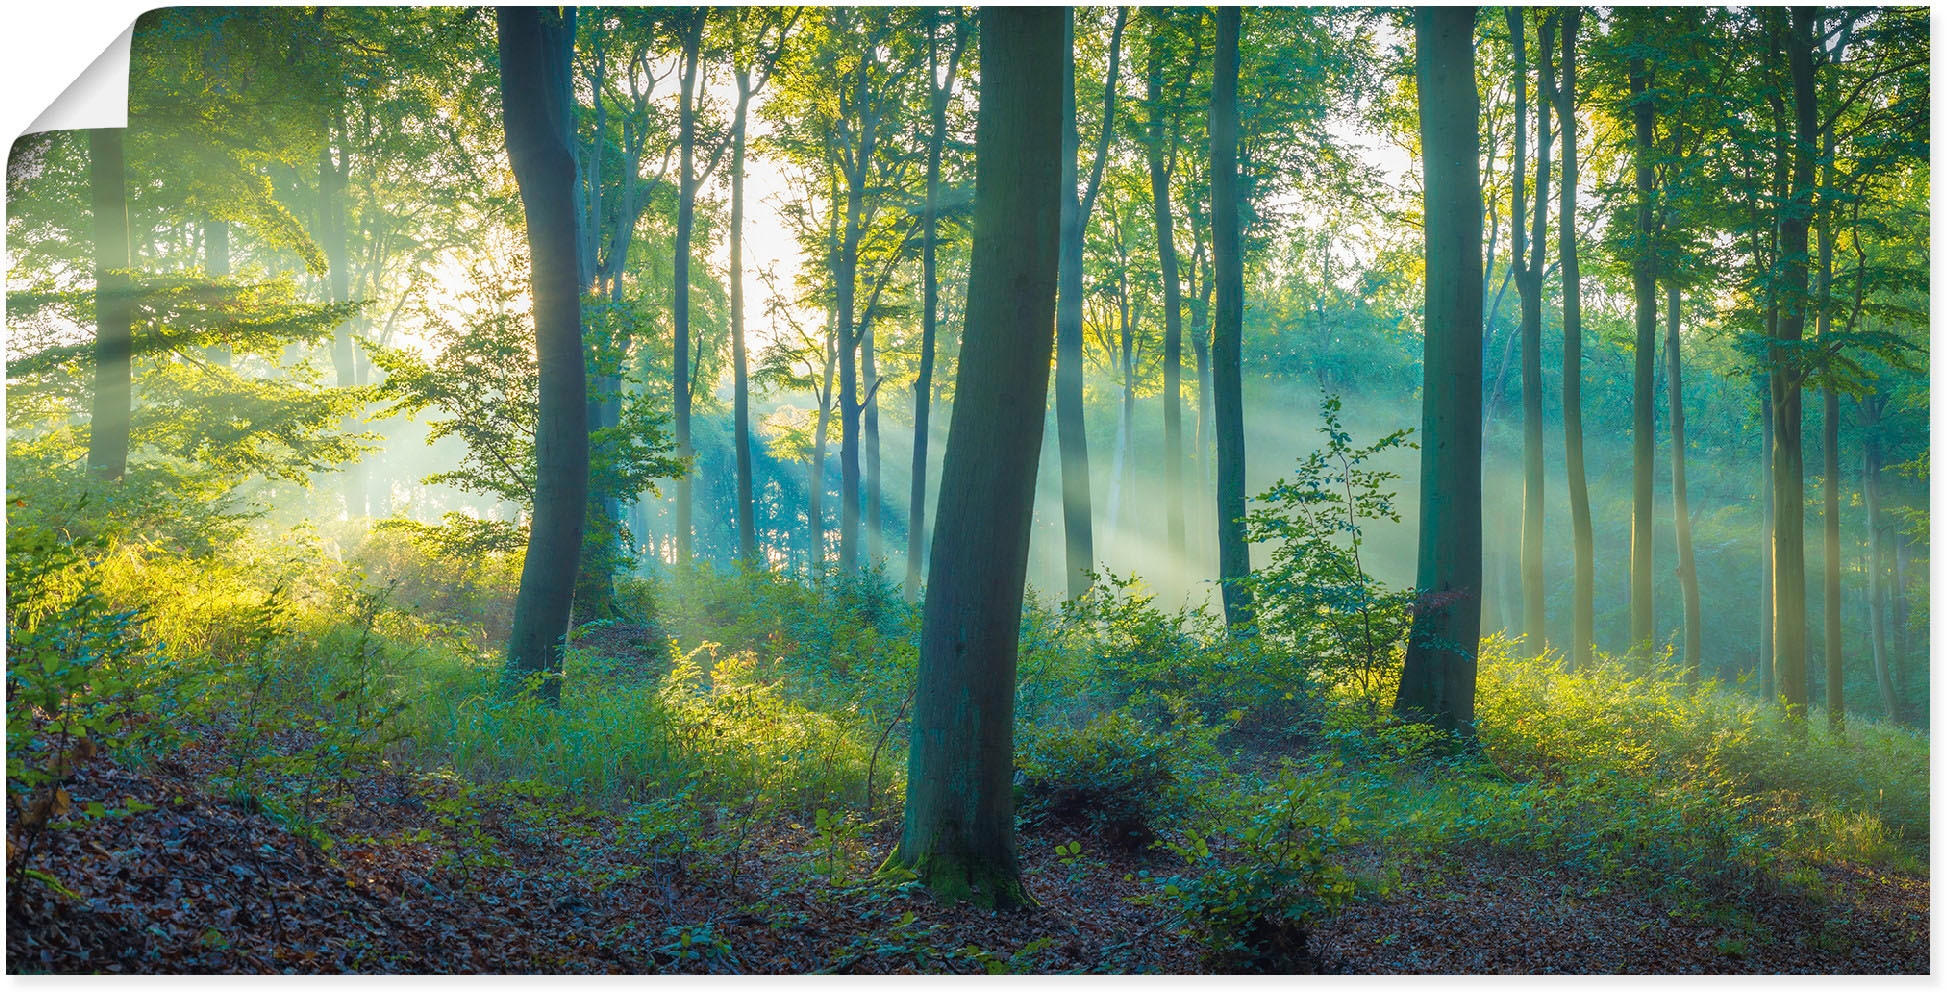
(98, 97)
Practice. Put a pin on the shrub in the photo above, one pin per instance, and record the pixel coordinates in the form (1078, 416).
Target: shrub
(1251, 898)
(1114, 777)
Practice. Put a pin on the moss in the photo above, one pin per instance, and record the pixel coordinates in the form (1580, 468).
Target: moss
(951, 878)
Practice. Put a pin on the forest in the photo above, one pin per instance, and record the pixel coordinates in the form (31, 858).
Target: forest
(784, 490)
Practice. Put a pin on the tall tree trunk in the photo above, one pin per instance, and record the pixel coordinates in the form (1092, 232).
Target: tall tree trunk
(1582, 626)
(958, 833)
(1206, 418)
(1835, 650)
(1889, 699)
(216, 265)
(1835, 654)
(815, 496)
(1436, 684)
(1159, 194)
(846, 274)
(537, 95)
(108, 422)
(1226, 343)
(1788, 458)
(1070, 428)
(1528, 269)
(1767, 676)
(941, 95)
(739, 356)
(680, 284)
(1693, 617)
(1642, 270)
(869, 418)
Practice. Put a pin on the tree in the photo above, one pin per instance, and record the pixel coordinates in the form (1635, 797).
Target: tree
(109, 426)
(1226, 344)
(958, 833)
(537, 98)
(1582, 624)
(939, 97)
(1161, 166)
(1788, 456)
(1642, 520)
(1436, 685)
(1077, 505)
(1527, 271)
(753, 60)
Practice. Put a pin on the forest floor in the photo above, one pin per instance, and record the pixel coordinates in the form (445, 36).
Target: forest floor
(400, 873)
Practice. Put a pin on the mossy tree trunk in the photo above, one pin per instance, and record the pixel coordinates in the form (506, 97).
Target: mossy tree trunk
(958, 834)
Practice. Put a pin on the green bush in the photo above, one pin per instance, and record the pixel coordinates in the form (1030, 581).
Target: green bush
(1262, 875)
(1114, 778)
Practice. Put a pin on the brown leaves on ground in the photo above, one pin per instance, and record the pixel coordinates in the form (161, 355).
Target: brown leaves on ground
(201, 884)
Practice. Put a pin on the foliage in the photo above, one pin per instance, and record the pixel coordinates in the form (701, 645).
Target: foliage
(1114, 777)
(1252, 897)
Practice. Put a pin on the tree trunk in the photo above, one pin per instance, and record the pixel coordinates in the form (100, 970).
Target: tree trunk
(942, 95)
(1070, 428)
(1767, 677)
(108, 422)
(1436, 685)
(1642, 270)
(680, 285)
(869, 418)
(1582, 627)
(1788, 457)
(1226, 343)
(739, 356)
(958, 833)
(536, 47)
(1835, 651)
(846, 275)
(1528, 271)
(1693, 618)
(1876, 586)
(1159, 193)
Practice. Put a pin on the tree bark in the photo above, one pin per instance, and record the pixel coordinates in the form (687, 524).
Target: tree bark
(1436, 685)
(958, 832)
(1226, 344)
(537, 100)
(108, 423)
(1642, 270)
